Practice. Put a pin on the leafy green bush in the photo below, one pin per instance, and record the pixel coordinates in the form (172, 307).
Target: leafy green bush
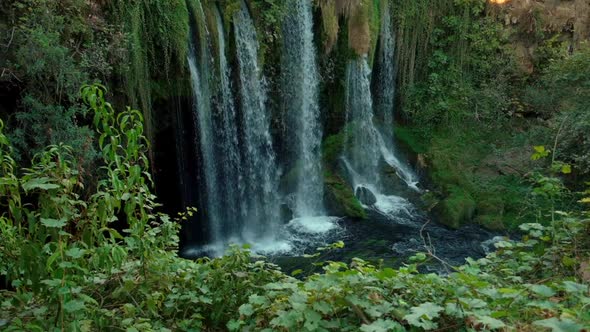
(56, 46)
(568, 81)
(72, 271)
(459, 73)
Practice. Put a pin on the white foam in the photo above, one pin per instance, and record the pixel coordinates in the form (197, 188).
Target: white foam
(314, 225)
(393, 205)
(294, 238)
(272, 247)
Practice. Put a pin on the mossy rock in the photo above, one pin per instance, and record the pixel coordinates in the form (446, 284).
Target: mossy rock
(490, 212)
(332, 148)
(491, 222)
(456, 209)
(490, 205)
(339, 198)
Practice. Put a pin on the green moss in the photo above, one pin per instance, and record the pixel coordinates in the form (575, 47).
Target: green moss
(490, 212)
(332, 149)
(411, 137)
(157, 34)
(457, 209)
(330, 26)
(340, 199)
(491, 222)
(463, 167)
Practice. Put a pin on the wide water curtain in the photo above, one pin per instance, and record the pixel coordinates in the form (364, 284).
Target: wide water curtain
(301, 107)
(238, 161)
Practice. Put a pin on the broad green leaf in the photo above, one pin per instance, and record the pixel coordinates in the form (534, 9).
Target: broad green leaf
(52, 282)
(323, 307)
(572, 287)
(419, 257)
(542, 290)
(386, 273)
(75, 253)
(234, 325)
(246, 309)
(53, 223)
(296, 272)
(257, 299)
(422, 315)
(74, 305)
(312, 319)
(566, 169)
(382, 325)
(491, 323)
(557, 325)
(39, 183)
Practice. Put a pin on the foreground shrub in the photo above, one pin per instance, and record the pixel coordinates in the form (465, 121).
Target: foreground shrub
(72, 271)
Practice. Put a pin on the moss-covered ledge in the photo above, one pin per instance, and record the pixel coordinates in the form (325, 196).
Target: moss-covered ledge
(338, 195)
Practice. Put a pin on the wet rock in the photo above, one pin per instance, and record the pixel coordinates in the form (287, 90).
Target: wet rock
(286, 213)
(488, 246)
(365, 196)
(339, 198)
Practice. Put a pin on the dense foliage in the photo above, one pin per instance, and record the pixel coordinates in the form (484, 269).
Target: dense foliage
(54, 48)
(84, 248)
(475, 106)
(72, 271)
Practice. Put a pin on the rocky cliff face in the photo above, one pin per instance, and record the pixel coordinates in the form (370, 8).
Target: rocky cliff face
(531, 21)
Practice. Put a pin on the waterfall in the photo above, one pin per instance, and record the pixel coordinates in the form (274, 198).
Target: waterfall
(301, 106)
(238, 161)
(365, 144)
(199, 65)
(229, 165)
(260, 168)
(385, 76)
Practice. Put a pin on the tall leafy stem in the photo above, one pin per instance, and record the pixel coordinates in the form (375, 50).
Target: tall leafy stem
(128, 182)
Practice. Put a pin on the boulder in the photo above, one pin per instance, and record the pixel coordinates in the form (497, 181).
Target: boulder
(339, 198)
(457, 209)
(365, 196)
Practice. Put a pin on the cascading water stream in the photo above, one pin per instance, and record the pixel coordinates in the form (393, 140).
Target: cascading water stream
(198, 60)
(238, 163)
(384, 98)
(239, 168)
(301, 106)
(385, 76)
(362, 137)
(230, 166)
(365, 146)
(260, 168)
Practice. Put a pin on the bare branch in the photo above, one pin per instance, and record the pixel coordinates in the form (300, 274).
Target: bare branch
(431, 250)
(11, 38)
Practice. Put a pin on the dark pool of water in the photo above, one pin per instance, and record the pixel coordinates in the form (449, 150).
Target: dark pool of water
(387, 242)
